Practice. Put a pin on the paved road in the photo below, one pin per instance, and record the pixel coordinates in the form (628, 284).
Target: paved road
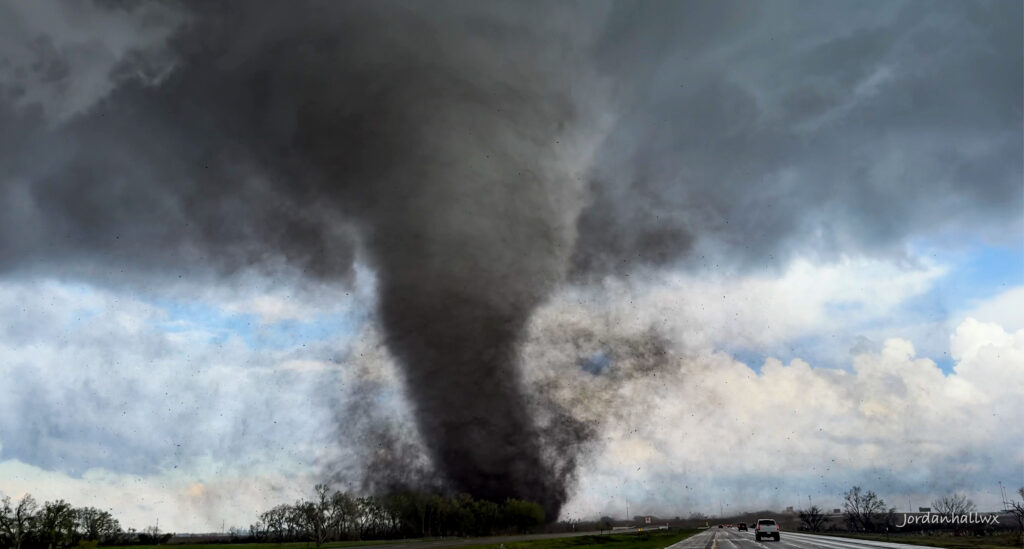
(730, 538)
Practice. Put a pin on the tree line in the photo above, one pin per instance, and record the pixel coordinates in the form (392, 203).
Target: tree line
(328, 516)
(865, 511)
(57, 524)
(338, 516)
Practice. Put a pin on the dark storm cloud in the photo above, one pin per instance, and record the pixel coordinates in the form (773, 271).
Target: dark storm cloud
(160, 178)
(755, 131)
(759, 130)
(437, 141)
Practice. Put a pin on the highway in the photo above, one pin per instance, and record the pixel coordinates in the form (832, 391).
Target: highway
(730, 538)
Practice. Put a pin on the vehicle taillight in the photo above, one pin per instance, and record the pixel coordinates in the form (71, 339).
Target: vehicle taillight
(758, 527)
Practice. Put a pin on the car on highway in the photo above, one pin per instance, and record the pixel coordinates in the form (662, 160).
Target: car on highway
(766, 528)
(742, 527)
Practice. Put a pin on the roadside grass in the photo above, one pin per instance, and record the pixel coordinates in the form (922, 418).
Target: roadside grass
(998, 541)
(270, 545)
(642, 540)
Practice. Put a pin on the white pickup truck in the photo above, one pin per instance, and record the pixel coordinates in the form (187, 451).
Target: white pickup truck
(766, 528)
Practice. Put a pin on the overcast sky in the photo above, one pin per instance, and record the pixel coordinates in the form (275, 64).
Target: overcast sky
(762, 251)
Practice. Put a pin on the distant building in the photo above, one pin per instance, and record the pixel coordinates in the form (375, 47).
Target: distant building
(789, 509)
(924, 509)
(837, 511)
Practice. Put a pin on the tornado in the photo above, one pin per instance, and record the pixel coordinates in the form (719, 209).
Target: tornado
(453, 168)
(458, 281)
(431, 141)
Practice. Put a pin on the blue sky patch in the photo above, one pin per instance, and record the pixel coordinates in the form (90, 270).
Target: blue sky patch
(257, 335)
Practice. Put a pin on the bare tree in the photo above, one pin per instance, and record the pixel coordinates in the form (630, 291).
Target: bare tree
(372, 516)
(276, 522)
(295, 524)
(344, 511)
(95, 524)
(151, 534)
(259, 530)
(18, 521)
(57, 523)
(813, 519)
(315, 516)
(953, 506)
(956, 504)
(320, 520)
(864, 510)
(1016, 508)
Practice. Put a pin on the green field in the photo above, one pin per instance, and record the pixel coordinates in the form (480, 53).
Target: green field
(288, 545)
(1000, 541)
(645, 540)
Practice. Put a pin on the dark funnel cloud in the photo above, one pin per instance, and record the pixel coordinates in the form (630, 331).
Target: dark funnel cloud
(429, 140)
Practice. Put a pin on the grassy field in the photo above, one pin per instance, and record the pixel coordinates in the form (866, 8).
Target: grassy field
(644, 540)
(289, 545)
(1001, 541)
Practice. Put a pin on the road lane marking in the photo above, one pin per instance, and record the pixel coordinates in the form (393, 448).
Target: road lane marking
(702, 540)
(849, 543)
(732, 540)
